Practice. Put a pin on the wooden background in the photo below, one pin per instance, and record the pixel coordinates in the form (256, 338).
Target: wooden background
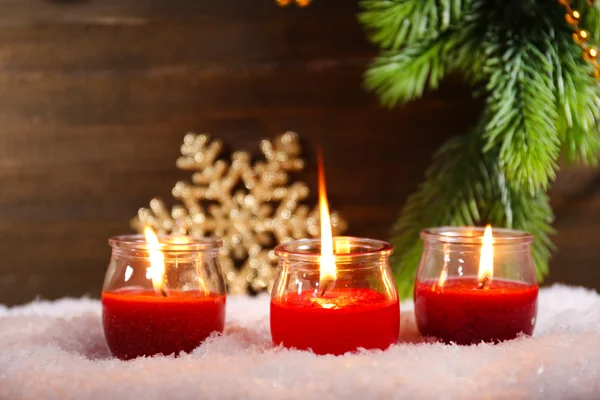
(95, 97)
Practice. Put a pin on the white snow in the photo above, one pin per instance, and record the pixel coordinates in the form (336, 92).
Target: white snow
(56, 350)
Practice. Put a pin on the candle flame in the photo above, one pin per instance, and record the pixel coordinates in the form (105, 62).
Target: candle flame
(156, 270)
(327, 267)
(486, 260)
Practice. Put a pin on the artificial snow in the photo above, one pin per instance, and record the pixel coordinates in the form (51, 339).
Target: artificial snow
(56, 350)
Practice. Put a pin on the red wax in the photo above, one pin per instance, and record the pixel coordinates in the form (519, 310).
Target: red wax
(357, 318)
(140, 323)
(462, 313)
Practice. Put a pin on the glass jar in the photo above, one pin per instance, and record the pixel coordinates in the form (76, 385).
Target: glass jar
(357, 309)
(458, 302)
(161, 298)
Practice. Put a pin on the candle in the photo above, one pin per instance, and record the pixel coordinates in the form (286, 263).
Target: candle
(334, 295)
(139, 323)
(161, 297)
(496, 304)
(340, 321)
(463, 314)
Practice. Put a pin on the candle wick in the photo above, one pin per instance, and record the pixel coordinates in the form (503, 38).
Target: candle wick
(163, 292)
(483, 283)
(326, 286)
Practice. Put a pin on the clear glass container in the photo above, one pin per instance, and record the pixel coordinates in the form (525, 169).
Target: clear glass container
(357, 309)
(162, 298)
(456, 302)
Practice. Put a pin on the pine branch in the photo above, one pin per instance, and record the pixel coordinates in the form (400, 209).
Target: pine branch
(462, 187)
(521, 108)
(403, 76)
(469, 54)
(399, 76)
(392, 24)
(578, 103)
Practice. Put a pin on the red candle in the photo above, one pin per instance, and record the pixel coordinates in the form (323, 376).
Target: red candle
(141, 323)
(461, 312)
(340, 321)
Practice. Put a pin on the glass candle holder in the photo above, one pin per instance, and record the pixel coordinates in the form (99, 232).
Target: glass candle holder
(145, 313)
(359, 309)
(454, 303)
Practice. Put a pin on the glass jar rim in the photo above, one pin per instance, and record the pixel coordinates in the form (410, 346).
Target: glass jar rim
(309, 249)
(474, 235)
(168, 243)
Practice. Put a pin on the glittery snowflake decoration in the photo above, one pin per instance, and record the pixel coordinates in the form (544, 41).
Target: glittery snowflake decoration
(251, 205)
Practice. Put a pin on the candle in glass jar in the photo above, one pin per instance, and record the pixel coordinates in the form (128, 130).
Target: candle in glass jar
(334, 295)
(161, 297)
(463, 308)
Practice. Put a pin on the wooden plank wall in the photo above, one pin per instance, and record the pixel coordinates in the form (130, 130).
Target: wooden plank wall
(95, 97)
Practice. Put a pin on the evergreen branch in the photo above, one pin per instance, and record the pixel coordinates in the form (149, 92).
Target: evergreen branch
(392, 24)
(521, 110)
(464, 188)
(403, 76)
(578, 101)
(469, 54)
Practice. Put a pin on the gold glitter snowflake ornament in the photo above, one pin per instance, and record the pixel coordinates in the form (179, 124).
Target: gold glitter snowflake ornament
(251, 205)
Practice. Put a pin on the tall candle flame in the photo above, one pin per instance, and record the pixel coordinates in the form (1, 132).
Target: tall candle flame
(327, 260)
(156, 270)
(486, 260)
